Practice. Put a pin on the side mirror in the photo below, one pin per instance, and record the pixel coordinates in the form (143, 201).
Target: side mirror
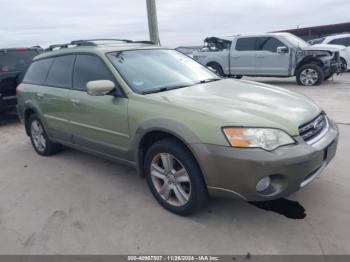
(100, 87)
(282, 49)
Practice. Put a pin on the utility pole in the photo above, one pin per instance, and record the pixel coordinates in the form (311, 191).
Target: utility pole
(152, 21)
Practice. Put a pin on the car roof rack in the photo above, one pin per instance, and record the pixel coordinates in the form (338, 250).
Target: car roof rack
(94, 42)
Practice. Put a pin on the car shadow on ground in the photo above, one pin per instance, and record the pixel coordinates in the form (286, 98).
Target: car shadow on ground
(8, 117)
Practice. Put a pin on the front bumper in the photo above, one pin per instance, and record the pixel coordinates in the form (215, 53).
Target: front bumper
(234, 172)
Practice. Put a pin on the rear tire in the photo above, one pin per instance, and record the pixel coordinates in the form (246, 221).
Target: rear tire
(310, 75)
(174, 177)
(38, 136)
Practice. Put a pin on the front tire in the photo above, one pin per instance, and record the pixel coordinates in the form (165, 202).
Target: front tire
(38, 136)
(344, 65)
(310, 75)
(174, 177)
(217, 68)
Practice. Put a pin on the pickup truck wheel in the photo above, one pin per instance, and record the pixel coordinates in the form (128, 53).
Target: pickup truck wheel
(40, 141)
(217, 68)
(174, 177)
(310, 75)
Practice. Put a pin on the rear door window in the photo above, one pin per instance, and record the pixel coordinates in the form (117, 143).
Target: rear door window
(339, 41)
(16, 60)
(89, 68)
(269, 44)
(37, 71)
(246, 44)
(348, 41)
(61, 71)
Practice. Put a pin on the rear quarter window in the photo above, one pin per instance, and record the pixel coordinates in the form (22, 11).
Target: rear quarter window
(37, 71)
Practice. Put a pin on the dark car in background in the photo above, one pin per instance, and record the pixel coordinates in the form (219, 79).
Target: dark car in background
(13, 64)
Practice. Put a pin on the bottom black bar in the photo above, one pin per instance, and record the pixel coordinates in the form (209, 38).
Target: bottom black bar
(170, 258)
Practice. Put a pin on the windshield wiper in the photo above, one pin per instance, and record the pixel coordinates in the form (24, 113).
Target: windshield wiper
(163, 89)
(209, 80)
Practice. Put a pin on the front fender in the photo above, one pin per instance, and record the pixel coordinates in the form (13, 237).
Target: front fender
(171, 127)
(304, 60)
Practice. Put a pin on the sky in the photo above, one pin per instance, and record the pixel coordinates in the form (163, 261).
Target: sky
(181, 22)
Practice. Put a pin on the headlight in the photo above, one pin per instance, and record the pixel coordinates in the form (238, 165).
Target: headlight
(265, 138)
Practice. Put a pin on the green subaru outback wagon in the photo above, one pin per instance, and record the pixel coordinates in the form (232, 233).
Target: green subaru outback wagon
(189, 132)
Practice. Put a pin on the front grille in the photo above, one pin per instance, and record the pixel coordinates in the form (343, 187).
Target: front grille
(313, 128)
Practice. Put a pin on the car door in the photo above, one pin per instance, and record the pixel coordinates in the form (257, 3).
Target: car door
(268, 60)
(243, 55)
(99, 123)
(53, 97)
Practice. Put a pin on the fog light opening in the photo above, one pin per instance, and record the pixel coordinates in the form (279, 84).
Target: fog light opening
(263, 184)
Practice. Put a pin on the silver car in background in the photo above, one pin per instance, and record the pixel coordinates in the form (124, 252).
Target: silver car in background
(270, 54)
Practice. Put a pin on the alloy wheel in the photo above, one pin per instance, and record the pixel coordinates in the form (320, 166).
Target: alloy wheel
(170, 179)
(309, 77)
(37, 133)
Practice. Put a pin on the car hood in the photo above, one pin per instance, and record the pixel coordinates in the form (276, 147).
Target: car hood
(323, 47)
(231, 102)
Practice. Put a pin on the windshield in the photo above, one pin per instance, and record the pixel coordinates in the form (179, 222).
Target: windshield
(317, 41)
(296, 41)
(149, 71)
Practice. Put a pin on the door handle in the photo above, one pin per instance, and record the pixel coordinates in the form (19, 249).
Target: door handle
(75, 102)
(235, 56)
(260, 56)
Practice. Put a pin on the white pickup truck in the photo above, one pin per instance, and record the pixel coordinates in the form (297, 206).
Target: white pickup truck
(270, 54)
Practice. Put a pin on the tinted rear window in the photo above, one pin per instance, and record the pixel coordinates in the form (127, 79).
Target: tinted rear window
(246, 44)
(15, 61)
(37, 71)
(61, 71)
(89, 68)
